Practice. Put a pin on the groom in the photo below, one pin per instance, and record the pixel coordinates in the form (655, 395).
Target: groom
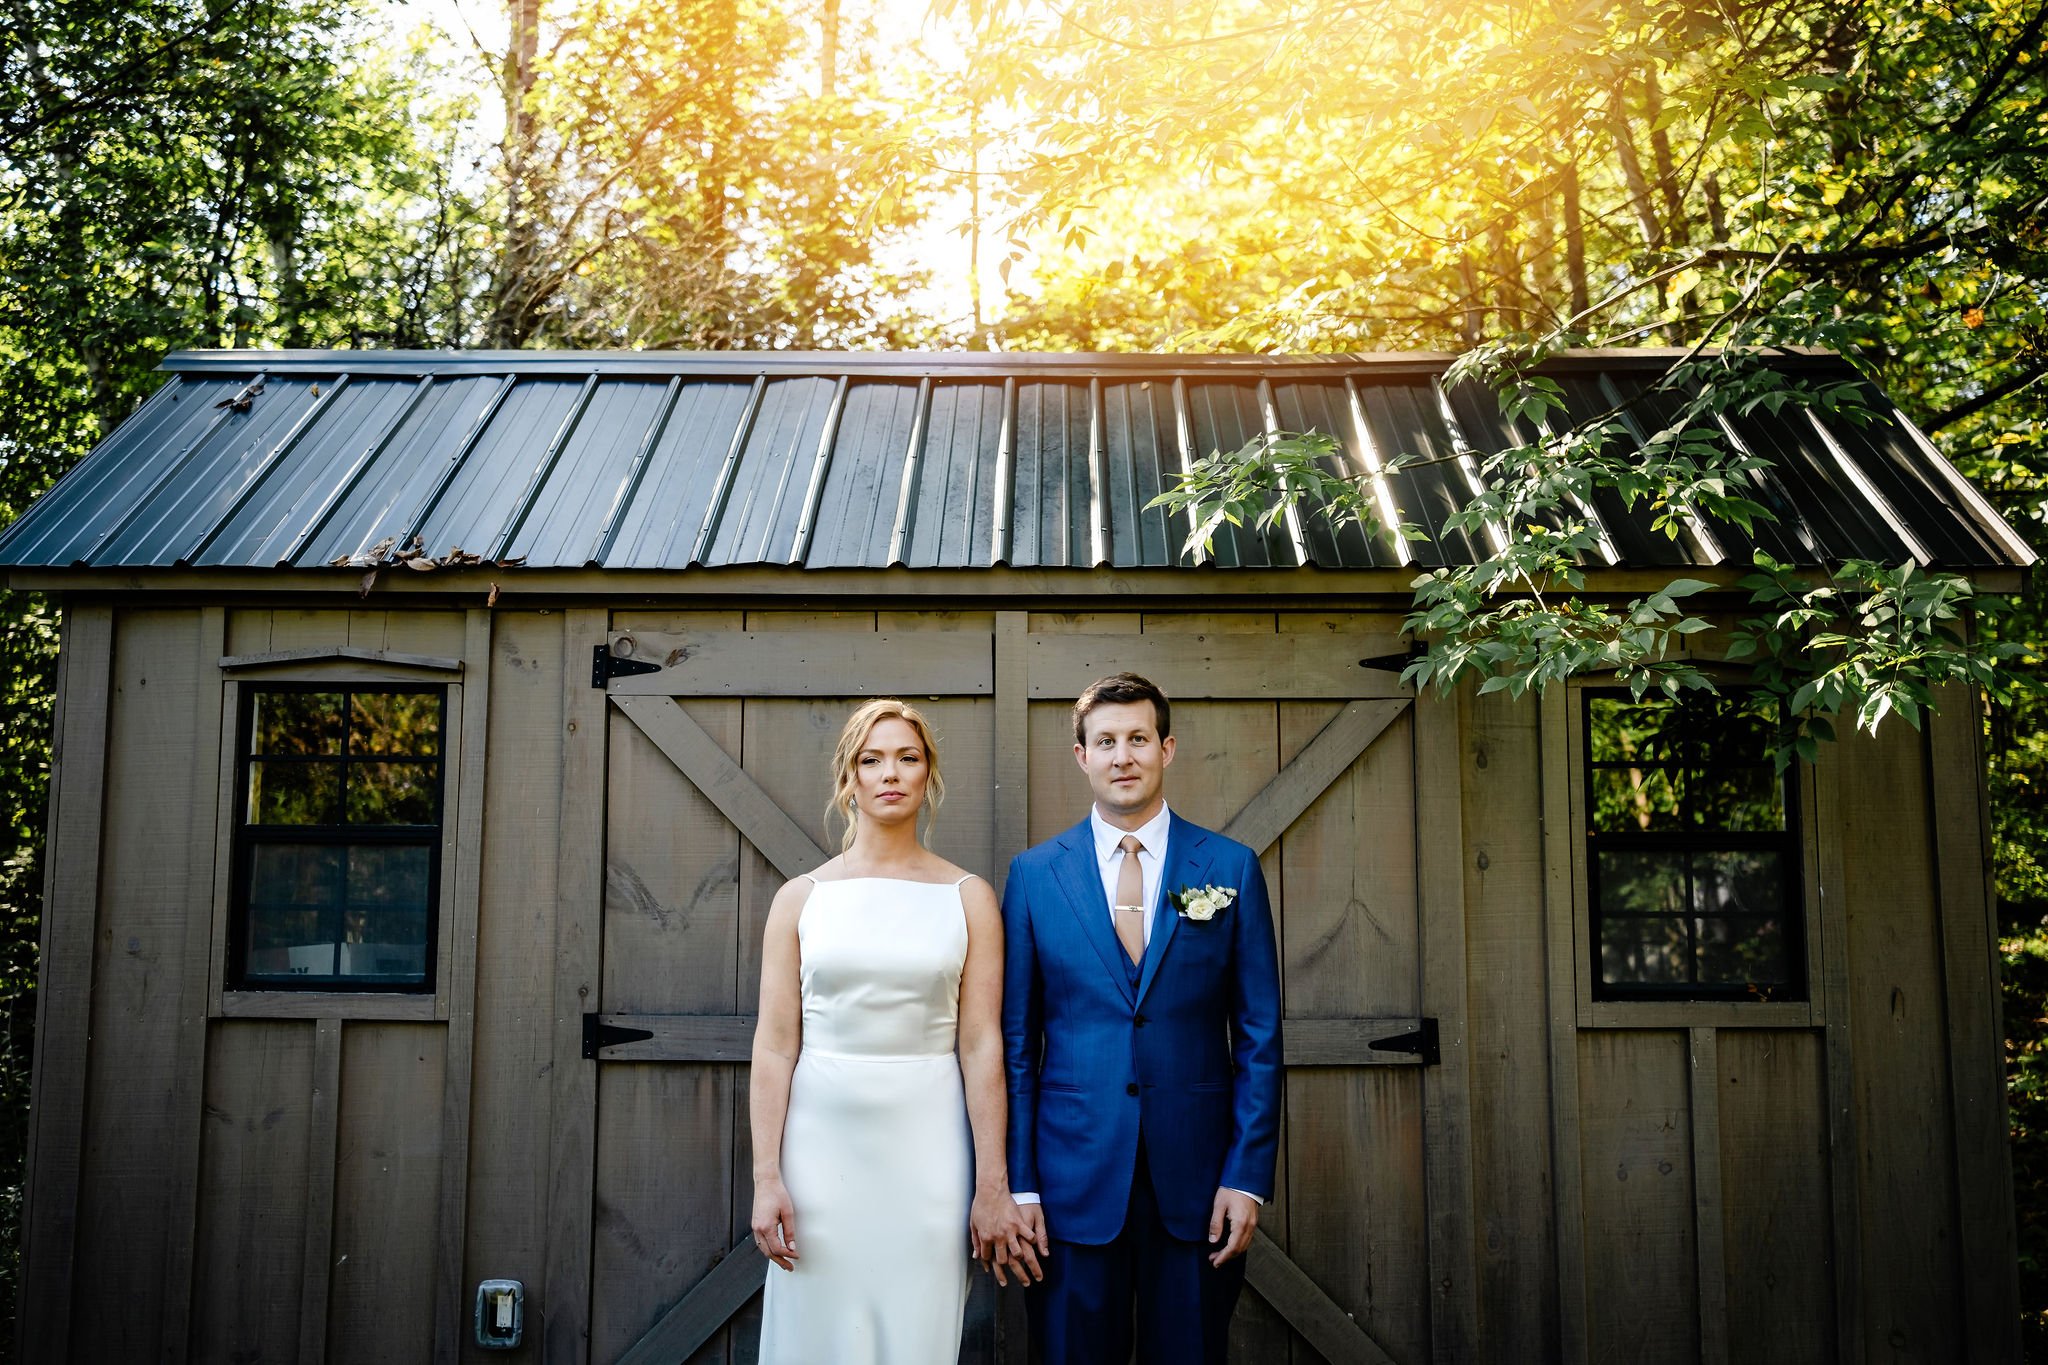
(1141, 1026)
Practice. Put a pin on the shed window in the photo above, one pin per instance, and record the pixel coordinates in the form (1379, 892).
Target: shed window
(337, 838)
(1692, 852)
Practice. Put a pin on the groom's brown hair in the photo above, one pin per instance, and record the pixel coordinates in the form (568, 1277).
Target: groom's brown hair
(1121, 689)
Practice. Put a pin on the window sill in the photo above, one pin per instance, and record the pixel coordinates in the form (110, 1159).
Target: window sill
(1699, 1014)
(327, 1005)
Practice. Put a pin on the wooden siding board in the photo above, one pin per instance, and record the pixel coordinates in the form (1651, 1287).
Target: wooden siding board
(457, 981)
(1204, 664)
(671, 944)
(1447, 1104)
(1844, 1155)
(1502, 777)
(1561, 967)
(1350, 946)
(181, 1165)
(255, 1163)
(1703, 1076)
(323, 1130)
(1635, 1129)
(387, 1170)
(125, 1202)
(1775, 1197)
(505, 1231)
(791, 662)
(64, 990)
(579, 900)
(1911, 1297)
(1984, 1184)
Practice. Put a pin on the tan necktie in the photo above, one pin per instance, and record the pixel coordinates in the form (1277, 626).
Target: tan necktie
(1130, 900)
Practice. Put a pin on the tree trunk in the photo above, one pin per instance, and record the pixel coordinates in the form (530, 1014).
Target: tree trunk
(828, 60)
(512, 302)
(1574, 236)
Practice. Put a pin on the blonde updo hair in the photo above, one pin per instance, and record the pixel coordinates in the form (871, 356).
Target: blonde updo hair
(854, 737)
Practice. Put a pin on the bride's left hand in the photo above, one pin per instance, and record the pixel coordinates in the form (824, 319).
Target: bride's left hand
(1001, 1237)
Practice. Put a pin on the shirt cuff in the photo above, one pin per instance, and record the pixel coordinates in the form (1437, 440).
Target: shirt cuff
(1234, 1190)
(1025, 1197)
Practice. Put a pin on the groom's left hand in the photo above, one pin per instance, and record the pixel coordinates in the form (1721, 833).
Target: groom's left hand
(1240, 1212)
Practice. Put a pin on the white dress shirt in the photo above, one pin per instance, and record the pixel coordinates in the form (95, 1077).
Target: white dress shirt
(1109, 858)
(1109, 863)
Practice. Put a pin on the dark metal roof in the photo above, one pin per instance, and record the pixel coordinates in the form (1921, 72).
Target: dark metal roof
(665, 460)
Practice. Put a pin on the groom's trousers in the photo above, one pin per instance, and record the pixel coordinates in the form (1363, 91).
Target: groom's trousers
(1147, 1281)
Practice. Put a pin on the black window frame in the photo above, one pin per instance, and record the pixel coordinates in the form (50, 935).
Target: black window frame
(1788, 842)
(247, 835)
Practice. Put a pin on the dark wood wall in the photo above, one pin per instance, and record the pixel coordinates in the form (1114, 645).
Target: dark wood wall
(277, 1178)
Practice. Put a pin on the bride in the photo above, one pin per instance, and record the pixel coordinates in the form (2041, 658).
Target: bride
(879, 1048)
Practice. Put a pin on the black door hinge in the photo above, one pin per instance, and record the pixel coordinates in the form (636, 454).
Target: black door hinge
(1394, 663)
(1420, 1041)
(605, 665)
(597, 1035)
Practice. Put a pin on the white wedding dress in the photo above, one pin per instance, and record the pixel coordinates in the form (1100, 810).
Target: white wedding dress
(875, 1150)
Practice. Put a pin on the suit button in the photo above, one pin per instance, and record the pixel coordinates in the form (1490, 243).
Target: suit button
(1131, 1089)
(1139, 1021)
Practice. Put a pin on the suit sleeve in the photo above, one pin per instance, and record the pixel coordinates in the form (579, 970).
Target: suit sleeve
(1023, 1026)
(1254, 1040)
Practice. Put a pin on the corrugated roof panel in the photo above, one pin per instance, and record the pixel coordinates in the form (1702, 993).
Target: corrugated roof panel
(1224, 418)
(568, 514)
(757, 524)
(1842, 522)
(270, 505)
(1487, 431)
(1049, 517)
(1631, 528)
(1403, 422)
(658, 528)
(1326, 408)
(190, 491)
(1916, 494)
(480, 501)
(954, 520)
(65, 521)
(403, 465)
(1786, 537)
(1139, 447)
(864, 481)
(662, 460)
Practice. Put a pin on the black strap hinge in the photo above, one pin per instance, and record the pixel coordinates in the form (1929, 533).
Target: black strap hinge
(605, 665)
(1394, 663)
(599, 1035)
(1420, 1041)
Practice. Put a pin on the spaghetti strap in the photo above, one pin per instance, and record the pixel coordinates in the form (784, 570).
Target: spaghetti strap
(964, 880)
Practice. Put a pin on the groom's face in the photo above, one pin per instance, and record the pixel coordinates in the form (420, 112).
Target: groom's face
(1125, 760)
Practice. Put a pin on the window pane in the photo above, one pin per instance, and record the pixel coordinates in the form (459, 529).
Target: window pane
(386, 944)
(1743, 951)
(293, 793)
(391, 794)
(1744, 800)
(1744, 881)
(1637, 800)
(295, 875)
(388, 876)
(1623, 731)
(1649, 950)
(289, 943)
(394, 723)
(297, 723)
(1738, 726)
(1642, 883)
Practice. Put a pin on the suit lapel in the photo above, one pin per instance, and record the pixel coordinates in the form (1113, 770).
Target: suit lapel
(1186, 860)
(1075, 871)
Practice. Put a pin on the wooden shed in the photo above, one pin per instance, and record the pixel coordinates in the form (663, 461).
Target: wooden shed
(434, 729)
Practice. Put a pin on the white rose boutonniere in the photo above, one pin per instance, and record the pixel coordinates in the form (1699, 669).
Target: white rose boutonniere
(1200, 903)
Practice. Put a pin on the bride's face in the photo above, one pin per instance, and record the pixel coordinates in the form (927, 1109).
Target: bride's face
(890, 772)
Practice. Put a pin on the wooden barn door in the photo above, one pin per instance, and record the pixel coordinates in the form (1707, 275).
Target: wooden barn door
(1294, 739)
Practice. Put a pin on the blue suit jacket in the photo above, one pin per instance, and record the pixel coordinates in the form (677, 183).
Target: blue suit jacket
(1191, 1056)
